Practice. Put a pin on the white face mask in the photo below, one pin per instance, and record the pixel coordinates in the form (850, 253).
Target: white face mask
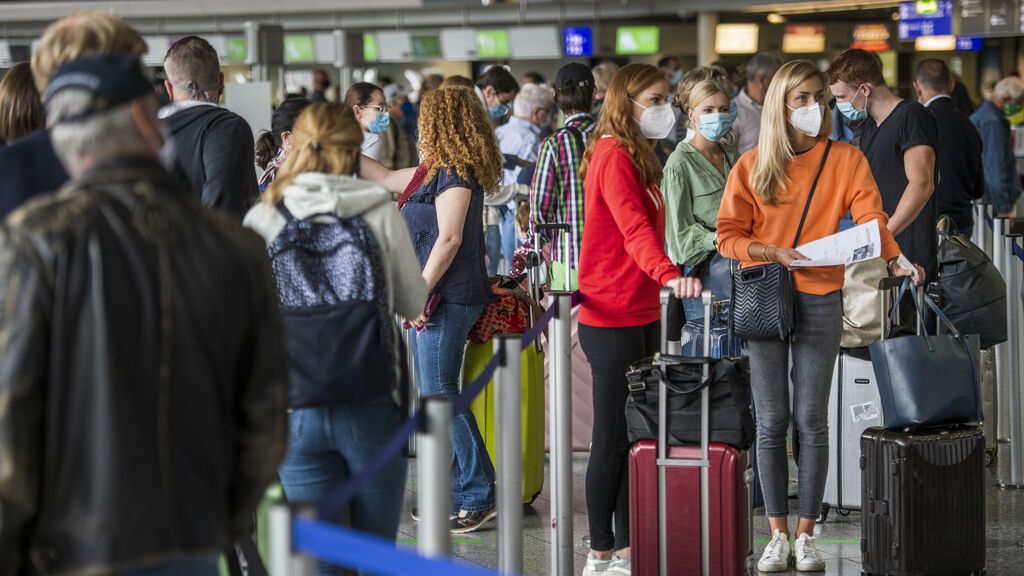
(806, 119)
(656, 122)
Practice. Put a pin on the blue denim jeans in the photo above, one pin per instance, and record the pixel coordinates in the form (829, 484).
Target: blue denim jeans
(492, 244)
(199, 566)
(330, 444)
(440, 350)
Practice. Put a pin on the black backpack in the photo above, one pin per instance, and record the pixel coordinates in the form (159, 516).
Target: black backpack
(972, 292)
(333, 292)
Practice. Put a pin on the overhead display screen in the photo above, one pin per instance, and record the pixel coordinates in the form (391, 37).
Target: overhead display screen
(492, 43)
(299, 49)
(578, 41)
(637, 40)
(925, 18)
(736, 38)
(426, 45)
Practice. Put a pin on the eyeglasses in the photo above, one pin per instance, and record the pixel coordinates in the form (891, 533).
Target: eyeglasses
(382, 109)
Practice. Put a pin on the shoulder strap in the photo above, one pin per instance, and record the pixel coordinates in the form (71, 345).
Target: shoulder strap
(414, 184)
(288, 216)
(814, 185)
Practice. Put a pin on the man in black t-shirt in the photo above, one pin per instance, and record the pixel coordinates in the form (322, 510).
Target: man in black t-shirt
(899, 138)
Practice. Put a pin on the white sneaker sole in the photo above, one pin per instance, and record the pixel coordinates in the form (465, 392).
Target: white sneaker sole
(772, 568)
(806, 567)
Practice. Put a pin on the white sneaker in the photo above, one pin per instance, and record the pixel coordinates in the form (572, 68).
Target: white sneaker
(808, 559)
(776, 555)
(621, 567)
(595, 567)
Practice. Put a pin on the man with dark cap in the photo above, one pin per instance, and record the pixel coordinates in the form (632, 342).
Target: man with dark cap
(142, 368)
(556, 194)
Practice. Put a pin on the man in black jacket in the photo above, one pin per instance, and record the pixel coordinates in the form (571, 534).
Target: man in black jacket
(143, 386)
(213, 146)
(29, 166)
(958, 150)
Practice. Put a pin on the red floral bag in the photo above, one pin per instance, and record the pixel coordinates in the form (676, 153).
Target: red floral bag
(510, 314)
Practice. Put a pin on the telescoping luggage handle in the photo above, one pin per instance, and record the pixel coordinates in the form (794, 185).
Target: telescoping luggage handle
(565, 230)
(663, 461)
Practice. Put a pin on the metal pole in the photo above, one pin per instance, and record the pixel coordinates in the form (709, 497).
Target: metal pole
(1002, 384)
(433, 469)
(979, 223)
(562, 553)
(705, 456)
(283, 558)
(986, 232)
(1012, 269)
(508, 379)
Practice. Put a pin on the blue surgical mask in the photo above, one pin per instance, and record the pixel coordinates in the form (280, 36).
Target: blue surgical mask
(498, 111)
(715, 125)
(733, 110)
(847, 109)
(379, 124)
(677, 77)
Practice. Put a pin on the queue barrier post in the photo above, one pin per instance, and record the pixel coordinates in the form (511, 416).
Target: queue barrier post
(283, 558)
(1002, 360)
(986, 229)
(508, 379)
(977, 235)
(560, 422)
(433, 472)
(1013, 271)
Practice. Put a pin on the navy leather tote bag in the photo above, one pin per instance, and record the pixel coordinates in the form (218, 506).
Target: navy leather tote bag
(928, 380)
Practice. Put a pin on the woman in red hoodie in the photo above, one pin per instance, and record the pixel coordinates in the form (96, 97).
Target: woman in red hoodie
(623, 267)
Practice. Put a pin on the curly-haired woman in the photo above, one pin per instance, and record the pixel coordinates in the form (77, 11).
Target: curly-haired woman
(445, 216)
(623, 267)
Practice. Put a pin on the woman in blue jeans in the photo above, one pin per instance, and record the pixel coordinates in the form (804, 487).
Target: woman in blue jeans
(444, 209)
(330, 439)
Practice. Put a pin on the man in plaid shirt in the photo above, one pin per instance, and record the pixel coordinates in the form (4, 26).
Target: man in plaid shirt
(556, 194)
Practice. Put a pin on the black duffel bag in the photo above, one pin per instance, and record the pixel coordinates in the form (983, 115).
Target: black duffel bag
(731, 421)
(972, 292)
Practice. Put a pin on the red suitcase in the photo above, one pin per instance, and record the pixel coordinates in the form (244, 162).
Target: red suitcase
(716, 540)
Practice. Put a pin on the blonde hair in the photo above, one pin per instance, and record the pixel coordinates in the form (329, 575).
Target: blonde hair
(21, 110)
(694, 77)
(82, 34)
(774, 149)
(325, 138)
(603, 74)
(698, 93)
(456, 134)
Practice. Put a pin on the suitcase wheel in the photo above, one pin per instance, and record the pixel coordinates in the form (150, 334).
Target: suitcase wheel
(823, 516)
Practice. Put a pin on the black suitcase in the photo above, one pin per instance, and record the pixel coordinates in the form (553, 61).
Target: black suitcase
(923, 496)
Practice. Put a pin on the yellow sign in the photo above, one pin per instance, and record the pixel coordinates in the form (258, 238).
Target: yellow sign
(736, 38)
(804, 39)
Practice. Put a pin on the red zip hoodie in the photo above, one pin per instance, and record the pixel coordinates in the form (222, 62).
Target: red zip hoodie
(623, 264)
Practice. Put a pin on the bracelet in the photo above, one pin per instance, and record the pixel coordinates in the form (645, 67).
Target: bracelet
(764, 252)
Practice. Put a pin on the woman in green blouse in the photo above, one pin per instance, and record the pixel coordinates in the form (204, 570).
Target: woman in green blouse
(694, 180)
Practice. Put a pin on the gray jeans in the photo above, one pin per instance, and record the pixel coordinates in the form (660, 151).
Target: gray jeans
(814, 347)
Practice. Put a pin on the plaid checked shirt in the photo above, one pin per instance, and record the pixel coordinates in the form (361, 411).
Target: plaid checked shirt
(556, 195)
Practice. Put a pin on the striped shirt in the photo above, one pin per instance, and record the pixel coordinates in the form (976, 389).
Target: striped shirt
(556, 195)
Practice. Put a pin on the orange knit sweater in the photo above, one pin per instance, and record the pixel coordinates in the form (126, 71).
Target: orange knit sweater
(845, 185)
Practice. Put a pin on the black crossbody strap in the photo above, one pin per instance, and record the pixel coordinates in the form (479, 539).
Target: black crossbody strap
(814, 185)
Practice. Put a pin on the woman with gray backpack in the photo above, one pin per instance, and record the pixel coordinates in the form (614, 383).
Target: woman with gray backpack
(341, 253)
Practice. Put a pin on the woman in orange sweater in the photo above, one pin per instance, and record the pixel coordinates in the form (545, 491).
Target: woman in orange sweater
(761, 211)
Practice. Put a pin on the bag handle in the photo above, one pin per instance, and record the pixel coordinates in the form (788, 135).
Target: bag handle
(810, 195)
(919, 308)
(414, 184)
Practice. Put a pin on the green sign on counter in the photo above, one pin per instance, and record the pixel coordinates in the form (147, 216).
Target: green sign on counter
(426, 45)
(637, 40)
(492, 44)
(298, 49)
(370, 53)
(236, 50)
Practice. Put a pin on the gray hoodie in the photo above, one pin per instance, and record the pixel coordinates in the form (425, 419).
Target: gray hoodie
(315, 193)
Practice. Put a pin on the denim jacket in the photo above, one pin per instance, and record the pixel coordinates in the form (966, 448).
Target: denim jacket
(1001, 184)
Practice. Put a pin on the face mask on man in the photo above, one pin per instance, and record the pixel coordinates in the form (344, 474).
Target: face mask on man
(676, 77)
(715, 126)
(1011, 109)
(656, 122)
(498, 111)
(806, 119)
(847, 109)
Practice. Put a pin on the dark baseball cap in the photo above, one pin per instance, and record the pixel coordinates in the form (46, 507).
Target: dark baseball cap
(110, 79)
(574, 75)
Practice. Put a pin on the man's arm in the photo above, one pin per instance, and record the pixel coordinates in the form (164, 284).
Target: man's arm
(24, 301)
(229, 162)
(919, 164)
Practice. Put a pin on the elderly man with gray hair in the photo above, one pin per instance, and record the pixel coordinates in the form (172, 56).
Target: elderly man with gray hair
(747, 127)
(143, 386)
(213, 147)
(1002, 187)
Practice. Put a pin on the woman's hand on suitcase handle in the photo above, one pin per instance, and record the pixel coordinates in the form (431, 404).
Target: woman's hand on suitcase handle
(900, 270)
(684, 287)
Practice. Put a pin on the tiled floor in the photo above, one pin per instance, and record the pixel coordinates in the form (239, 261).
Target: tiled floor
(839, 537)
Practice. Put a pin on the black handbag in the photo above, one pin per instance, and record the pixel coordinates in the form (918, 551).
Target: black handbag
(928, 380)
(730, 418)
(972, 292)
(763, 297)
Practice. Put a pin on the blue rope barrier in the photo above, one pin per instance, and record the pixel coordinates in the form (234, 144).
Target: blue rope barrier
(530, 335)
(1018, 251)
(348, 548)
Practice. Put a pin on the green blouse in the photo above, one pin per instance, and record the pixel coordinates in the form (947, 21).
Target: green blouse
(693, 190)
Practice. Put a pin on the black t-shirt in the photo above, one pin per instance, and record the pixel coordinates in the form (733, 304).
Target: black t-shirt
(910, 124)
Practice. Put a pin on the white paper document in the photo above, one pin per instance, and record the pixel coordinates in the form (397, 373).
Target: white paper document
(854, 245)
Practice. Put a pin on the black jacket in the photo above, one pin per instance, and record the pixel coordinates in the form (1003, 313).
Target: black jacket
(958, 159)
(142, 376)
(28, 167)
(215, 155)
